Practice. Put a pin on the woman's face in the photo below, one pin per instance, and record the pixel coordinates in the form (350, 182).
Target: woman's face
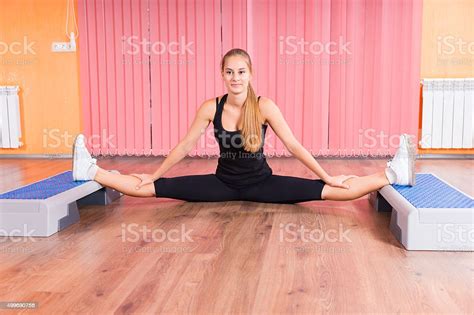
(236, 75)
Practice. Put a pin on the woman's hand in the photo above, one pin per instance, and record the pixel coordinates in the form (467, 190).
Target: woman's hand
(145, 179)
(338, 181)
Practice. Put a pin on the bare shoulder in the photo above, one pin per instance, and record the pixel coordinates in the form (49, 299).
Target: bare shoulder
(208, 109)
(268, 108)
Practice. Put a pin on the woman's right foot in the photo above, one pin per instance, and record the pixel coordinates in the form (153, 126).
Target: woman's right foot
(83, 166)
(401, 169)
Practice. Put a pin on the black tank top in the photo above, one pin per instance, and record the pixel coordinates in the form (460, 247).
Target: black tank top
(236, 166)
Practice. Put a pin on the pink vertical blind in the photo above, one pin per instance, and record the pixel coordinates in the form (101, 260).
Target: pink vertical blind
(186, 74)
(115, 86)
(296, 81)
(344, 72)
(374, 92)
(146, 66)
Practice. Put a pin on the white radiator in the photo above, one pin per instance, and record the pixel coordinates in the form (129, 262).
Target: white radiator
(10, 129)
(447, 114)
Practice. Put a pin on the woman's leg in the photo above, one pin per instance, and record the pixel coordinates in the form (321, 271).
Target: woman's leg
(284, 189)
(288, 189)
(124, 183)
(359, 186)
(276, 189)
(190, 188)
(205, 188)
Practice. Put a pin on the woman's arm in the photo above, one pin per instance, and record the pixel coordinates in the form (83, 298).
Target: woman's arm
(273, 115)
(201, 121)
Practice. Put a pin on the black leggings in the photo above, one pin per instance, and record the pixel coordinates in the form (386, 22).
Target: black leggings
(207, 188)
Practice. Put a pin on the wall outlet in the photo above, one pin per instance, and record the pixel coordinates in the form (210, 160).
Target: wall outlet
(63, 47)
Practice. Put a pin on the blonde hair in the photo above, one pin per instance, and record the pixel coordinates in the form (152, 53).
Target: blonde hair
(251, 117)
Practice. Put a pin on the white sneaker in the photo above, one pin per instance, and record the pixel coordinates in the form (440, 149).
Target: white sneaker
(83, 166)
(401, 169)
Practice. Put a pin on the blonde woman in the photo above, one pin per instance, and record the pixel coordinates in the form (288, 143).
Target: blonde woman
(240, 121)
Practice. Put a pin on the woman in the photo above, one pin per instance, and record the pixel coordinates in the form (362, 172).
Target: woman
(240, 121)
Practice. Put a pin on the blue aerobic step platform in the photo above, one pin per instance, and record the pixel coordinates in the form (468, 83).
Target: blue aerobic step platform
(432, 215)
(50, 205)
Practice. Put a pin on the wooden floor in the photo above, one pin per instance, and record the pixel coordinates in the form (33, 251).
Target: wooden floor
(240, 260)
